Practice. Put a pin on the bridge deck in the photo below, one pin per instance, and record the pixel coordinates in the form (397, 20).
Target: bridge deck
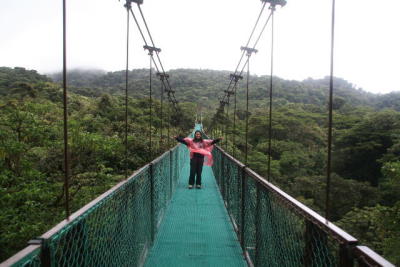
(196, 230)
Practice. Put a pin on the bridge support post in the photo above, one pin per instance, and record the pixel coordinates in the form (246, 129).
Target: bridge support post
(345, 256)
(222, 181)
(170, 175)
(45, 255)
(258, 226)
(243, 215)
(152, 202)
(316, 245)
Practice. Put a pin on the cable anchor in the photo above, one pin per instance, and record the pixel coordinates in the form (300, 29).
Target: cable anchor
(236, 77)
(128, 3)
(152, 49)
(163, 76)
(249, 50)
(229, 93)
(274, 3)
(223, 103)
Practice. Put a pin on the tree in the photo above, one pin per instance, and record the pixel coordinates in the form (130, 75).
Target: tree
(377, 227)
(358, 150)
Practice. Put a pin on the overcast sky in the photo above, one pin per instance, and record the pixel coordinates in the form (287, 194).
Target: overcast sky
(208, 34)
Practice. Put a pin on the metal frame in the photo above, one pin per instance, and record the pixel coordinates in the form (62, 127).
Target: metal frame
(76, 215)
(349, 249)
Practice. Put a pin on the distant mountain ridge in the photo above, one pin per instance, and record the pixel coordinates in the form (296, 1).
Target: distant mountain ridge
(206, 86)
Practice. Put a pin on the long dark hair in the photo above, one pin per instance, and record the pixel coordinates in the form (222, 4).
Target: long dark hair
(201, 136)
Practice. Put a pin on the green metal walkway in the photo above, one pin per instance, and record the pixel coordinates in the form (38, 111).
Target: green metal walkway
(196, 230)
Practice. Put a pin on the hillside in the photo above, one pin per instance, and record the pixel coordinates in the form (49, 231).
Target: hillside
(366, 156)
(206, 86)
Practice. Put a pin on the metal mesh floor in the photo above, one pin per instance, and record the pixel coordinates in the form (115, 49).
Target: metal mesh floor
(196, 230)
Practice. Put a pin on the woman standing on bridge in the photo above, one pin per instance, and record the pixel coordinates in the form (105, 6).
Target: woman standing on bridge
(200, 153)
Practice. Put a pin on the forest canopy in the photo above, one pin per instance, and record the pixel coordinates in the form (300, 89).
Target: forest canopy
(366, 148)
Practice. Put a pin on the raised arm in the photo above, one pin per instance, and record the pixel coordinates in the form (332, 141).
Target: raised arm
(215, 141)
(180, 140)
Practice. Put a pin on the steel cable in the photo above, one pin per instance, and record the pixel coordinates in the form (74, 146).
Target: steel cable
(247, 109)
(65, 103)
(270, 100)
(172, 98)
(151, 103)
(328, 169)
(126, 90)
(231, 89)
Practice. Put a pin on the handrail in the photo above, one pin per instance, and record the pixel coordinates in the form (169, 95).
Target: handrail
(303, 210)
(317, 229)
(367, 257)
(91, 204)
(313, 232)
(26, 255)
(39, 252)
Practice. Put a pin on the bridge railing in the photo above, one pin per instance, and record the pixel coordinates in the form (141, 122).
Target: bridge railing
(115, 229)
(275, 229)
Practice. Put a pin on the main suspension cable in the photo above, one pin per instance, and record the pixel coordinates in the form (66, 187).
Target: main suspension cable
(171, 96)
(232, 81)
(248, 41)
(157, 52)
(247, 45)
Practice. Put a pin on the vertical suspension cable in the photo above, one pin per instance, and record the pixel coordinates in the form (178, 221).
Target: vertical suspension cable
(126, 89)
(328, 169)
(226, 127)
(234, 124)
(270, 97)
(168, 123)
(151, 103)
(161, 115)
(65, 102)
(247, 109)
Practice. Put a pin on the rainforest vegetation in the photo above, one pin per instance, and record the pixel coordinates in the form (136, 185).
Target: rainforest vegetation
(366, 144)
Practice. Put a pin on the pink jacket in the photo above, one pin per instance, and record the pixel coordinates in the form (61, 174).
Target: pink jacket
(204, 148)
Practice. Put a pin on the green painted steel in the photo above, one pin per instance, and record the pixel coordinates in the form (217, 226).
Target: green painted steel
(118, 228)
(30, 260)
(273, 232)
(196, 230)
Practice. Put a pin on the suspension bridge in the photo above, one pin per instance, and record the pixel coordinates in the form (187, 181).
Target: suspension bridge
(238, 218)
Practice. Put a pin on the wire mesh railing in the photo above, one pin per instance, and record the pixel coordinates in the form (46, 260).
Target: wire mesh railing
(117, 228)
(275, 229)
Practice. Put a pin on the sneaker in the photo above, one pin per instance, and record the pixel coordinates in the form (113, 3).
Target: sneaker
(190, 186)
(198, 186)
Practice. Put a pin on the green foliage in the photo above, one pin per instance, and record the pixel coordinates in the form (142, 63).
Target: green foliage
(390, 186)
(359, 149)
(206, 86)
(365, 191)
(378, 227)
(31, 150)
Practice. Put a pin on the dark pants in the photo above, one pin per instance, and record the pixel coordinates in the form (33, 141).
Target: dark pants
(196, 167)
